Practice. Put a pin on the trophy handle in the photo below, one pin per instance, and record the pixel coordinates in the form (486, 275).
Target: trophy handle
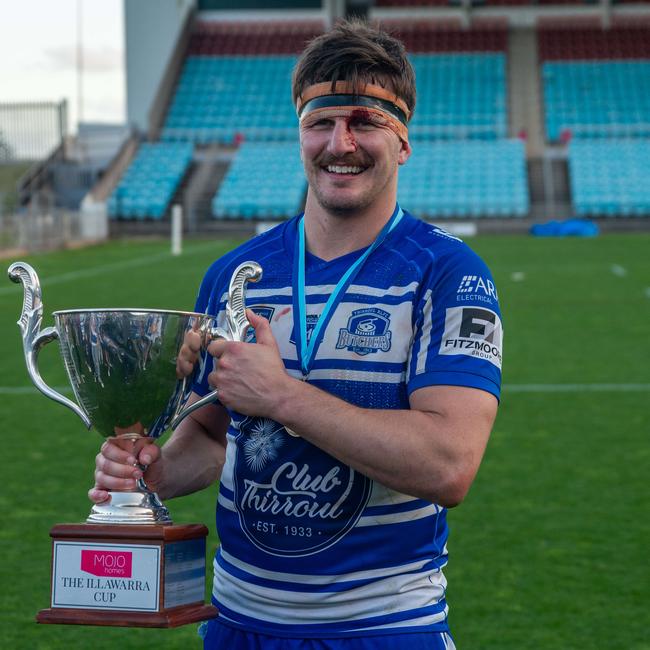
(236, 325)
(34, 339)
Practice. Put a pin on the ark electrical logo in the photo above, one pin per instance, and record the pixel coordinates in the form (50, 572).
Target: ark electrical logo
(477, 286)
(473, 331)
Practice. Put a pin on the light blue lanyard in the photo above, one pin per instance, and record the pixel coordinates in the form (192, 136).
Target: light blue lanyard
(308, 350)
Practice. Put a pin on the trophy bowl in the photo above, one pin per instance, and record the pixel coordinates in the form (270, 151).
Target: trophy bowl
(121, 364)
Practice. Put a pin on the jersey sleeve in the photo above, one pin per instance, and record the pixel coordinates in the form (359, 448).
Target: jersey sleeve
(458, 334)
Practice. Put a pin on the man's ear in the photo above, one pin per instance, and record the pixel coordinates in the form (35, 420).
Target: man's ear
(404, 152)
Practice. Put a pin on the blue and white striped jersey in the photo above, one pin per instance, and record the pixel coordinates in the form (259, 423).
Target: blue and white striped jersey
(309, 547)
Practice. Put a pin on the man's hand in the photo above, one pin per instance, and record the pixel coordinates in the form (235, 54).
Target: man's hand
(189, 352)
(250, 377)
(116, 467)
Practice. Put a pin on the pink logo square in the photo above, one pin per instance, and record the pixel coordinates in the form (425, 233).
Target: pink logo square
(107, 563)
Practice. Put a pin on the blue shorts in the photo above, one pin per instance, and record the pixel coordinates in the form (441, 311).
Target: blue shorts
(223, 637)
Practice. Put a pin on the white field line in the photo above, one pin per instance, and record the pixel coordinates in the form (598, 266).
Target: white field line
(576, 388)
(509, 388)
(106, 268)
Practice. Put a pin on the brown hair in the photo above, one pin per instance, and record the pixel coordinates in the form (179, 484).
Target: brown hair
(354, 51)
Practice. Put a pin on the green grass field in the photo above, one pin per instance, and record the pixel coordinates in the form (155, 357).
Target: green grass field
(550, 548)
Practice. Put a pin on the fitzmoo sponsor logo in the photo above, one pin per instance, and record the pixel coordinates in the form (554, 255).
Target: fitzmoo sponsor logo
(475, 332)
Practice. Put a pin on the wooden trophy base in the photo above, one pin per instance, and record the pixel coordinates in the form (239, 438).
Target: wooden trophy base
(128, 575)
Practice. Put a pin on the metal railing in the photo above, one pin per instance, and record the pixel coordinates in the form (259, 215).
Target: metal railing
(31, 130)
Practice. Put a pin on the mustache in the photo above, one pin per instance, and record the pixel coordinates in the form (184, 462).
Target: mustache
(350, 161)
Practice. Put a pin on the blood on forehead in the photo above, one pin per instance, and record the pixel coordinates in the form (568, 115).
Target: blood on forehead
(349, 114)
(352, 114)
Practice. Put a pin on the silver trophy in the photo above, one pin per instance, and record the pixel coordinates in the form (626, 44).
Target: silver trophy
(121, 364)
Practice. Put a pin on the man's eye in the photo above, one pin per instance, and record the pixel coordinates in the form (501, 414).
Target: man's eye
(362, 123)
(322, 124)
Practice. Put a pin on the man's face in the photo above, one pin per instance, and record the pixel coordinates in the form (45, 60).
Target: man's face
(350, 161)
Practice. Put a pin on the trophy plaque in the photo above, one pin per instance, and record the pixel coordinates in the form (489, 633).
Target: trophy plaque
(128, 564)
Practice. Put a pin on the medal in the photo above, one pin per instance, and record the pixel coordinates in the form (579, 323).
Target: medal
(305, 348)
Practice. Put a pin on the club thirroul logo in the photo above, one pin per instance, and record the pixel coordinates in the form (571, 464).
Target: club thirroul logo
(293, 499)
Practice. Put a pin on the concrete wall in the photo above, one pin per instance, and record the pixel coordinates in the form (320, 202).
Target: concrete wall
(151, 30)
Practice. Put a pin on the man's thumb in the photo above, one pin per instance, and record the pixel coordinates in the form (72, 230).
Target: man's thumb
(263, 333)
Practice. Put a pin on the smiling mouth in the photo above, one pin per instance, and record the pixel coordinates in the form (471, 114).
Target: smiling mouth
(344, 169)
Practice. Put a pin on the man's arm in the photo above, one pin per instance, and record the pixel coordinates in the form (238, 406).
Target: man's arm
(431, 451)
(190, 460)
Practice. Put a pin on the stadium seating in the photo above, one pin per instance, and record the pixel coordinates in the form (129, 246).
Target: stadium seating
(265, 180)
(465, 179)
(420, 36)
(596, 81)
(219, 99)
(212, 38)
(610, 177)
(558, 42)
(234, 87)
(151, 181)
(597, 98)
(460, 96)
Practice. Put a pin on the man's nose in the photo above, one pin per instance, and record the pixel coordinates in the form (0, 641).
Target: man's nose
(341, 139)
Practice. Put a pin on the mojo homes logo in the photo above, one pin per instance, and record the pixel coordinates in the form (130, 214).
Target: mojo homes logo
(115, 564)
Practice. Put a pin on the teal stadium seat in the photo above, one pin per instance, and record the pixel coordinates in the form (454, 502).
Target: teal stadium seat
(460, 96)
(149, 184)
(219, 98)
(597, 99)
(465, 179)
(264, 181)
(610, 177)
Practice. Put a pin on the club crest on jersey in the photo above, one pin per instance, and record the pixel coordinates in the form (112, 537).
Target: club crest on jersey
(260, 310)
(291, 499)
(367, 332)
(312, 319)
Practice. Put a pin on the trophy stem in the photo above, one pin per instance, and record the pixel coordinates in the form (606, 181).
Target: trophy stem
(136, 507)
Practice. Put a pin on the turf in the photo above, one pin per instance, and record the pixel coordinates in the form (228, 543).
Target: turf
(550, 547)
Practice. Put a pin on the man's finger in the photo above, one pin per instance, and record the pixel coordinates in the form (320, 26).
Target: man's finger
(112, 450)
(96, 495)
(148, 453)
(193, 341)
(107, 482)
(217, 348)
(118, 470)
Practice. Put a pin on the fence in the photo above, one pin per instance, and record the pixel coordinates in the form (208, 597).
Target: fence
(51, 229)
(31, 130)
